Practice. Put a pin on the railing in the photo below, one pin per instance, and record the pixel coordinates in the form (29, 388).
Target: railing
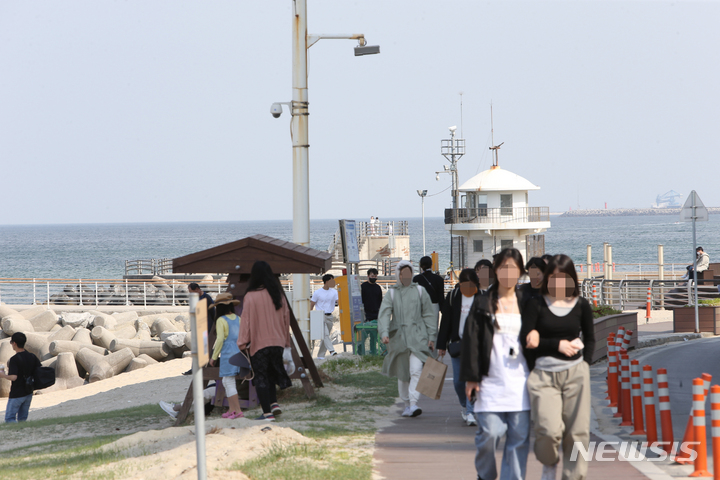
(98, 292)
(154, 266)
(630, 294)
(370, 229)
(497, 215)
(638, 271)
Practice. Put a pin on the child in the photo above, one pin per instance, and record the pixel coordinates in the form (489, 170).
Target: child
(227, 326)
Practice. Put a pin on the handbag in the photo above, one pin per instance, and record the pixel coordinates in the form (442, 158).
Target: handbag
(43, 377)
(453, 348)
(242, 360)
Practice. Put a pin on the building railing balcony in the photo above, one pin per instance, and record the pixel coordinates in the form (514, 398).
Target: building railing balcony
(507, 215)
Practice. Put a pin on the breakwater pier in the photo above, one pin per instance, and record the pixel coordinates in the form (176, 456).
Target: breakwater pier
(628, 212)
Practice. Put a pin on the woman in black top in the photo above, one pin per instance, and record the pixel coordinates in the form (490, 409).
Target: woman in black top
(454, 314)
(559, 384)
(486, 274)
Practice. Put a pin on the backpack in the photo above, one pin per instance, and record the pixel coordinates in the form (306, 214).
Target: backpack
(392, 292)
(43, 377)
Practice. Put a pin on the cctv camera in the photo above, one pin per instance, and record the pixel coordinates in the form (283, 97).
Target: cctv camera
(276, 110)
(437, 177)
(453, 128)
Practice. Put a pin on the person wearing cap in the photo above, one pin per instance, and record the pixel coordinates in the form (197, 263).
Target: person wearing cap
(407, 325)
(325, 299)
(433, 283)
(227, 327)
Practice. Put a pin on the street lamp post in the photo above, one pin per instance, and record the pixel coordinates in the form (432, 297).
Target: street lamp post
(423, 194)
(301, 41)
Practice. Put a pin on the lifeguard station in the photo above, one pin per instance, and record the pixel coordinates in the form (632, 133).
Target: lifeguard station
(236, 259)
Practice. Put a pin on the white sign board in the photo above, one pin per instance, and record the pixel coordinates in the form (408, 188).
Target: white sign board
(700, 214)
(349, 241)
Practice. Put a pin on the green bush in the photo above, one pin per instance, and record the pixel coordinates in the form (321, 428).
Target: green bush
(604, 311)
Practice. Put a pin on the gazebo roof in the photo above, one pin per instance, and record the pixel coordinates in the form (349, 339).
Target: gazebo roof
(497, 180)
(283, 257)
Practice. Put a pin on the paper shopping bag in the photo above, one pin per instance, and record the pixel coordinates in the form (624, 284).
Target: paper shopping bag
(432, 378)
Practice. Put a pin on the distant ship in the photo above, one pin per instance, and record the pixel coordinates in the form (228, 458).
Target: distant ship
(669, 199)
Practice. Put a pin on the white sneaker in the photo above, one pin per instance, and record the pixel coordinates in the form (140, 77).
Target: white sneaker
(321, 358)
(549, 472)
(407, 412)
(471, 420)
(168, 407)
(415, 410)
(463, 415)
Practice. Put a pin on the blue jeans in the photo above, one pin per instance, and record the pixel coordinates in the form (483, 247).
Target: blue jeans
(491, 427)
(17, 408)
(460, 386)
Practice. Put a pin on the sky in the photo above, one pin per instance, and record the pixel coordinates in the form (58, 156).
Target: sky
(159, 111)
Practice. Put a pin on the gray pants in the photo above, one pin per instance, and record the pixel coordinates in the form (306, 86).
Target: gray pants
(326, 344)
(560, 403)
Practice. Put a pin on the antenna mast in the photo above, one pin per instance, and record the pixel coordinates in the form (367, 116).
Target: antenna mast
(461, 116)
(495, 148)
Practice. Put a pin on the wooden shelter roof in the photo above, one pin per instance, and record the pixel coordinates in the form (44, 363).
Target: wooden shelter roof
(283, 257)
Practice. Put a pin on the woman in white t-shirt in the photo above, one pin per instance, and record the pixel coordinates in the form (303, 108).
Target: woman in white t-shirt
(454, 316)
(495, 370)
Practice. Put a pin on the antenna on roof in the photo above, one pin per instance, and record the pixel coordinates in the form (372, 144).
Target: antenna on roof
(494, 147)
(461, 122)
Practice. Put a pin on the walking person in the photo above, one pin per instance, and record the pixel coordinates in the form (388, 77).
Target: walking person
(535, 268)
(371, 294)
(226, 345)
(559, 384)
(485, 273)
(265, 330)
(407, 326)
(495, 370)
(433, 283)
(454, 316)
(20, 366)
(325, 299)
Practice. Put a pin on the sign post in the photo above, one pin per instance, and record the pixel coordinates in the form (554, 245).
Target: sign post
(694, 210)
(351, 255)
(198, 325)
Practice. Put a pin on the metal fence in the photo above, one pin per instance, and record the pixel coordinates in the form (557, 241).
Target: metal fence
(153, 266)
(629, 294)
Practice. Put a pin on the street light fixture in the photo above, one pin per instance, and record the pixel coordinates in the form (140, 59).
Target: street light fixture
(299, 135)
(423, 194)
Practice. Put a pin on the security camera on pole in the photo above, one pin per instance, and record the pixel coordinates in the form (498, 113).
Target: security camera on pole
(299, 134)
(694, 210)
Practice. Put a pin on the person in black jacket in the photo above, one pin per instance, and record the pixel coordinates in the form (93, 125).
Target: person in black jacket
(21, 366)
(433, 283)
(495, 369)
(454, 316)
(371, 294)
(536, 270)
(485, 273)
(559, 384)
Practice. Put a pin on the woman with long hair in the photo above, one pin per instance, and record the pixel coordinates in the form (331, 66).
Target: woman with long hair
(495, 370)
(559, 384)
(456, 309)
(485, 273)
(265, 330)
(227, 327)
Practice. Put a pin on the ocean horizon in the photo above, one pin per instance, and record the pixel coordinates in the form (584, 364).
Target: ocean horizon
(99, 250)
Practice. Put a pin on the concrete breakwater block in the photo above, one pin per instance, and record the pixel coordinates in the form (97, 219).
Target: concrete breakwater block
(136, 364)
(66, 373)
(6, 351)
(103, 320)
(83, 336)
(102, 337)
(6, 311)
(126, 331)
(76, 320)
(124, 317)
(31, 312)
(162, 325)
(44, 321)
(154, 349)
(101, 367)
(63, 333)
(59, 346)
(148, 359)
(16, 323)
(38, 345)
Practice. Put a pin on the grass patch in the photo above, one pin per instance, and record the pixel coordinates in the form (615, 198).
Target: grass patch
(122, 415)
(59, 459)
(308, 462)
(710, 301)
(604, 311)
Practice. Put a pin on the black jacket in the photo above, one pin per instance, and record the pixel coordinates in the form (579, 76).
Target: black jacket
(450, 321)
(434, 284)
(477, 341)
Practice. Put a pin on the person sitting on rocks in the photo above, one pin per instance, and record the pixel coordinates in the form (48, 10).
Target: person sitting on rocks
(173, 409)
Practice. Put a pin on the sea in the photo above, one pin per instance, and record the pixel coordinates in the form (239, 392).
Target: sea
(99, 251)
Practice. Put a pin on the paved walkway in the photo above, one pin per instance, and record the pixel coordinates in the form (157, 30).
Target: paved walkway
(438, 445)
